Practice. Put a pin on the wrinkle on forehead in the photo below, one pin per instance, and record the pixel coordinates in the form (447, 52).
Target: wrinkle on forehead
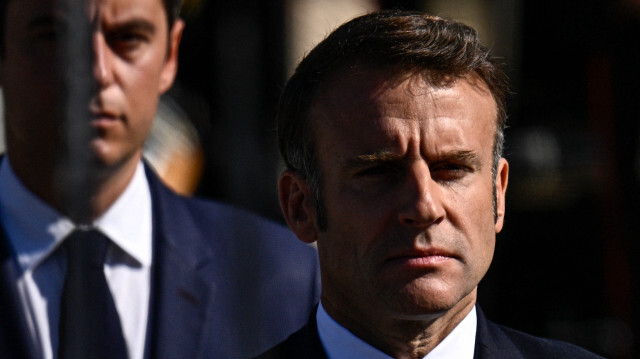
(373, 90)
(394, 119)
(378, 82)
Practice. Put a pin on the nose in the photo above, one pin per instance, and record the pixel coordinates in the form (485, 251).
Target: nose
(421, 199)
(102, 62)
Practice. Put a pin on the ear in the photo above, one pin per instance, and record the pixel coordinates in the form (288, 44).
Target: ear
(297, 206)
(502, 178)
(170, 68)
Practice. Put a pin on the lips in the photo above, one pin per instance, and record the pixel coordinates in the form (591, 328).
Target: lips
(102, 120)
(421, 258)
(103, 116)
(101, 111)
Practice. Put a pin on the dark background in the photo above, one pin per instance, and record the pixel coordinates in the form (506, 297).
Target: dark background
(566, 263)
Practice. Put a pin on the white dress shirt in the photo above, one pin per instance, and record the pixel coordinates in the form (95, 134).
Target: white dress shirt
(35, 231)
(339, 343)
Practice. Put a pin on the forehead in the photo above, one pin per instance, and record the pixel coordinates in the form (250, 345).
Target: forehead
(374, 108)
(17, 9)
(366, 85)
(127, 8)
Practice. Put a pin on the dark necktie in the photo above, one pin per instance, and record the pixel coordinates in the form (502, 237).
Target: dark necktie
(89, 322)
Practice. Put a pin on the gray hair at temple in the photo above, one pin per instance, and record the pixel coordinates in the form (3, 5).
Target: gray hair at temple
(399, 42)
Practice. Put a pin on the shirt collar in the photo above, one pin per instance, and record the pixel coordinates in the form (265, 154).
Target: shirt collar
(339, 343)
(128, 221)
(461, 342)
(35, 229)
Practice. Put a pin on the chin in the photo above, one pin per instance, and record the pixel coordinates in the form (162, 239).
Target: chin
(102, 160)
(106, 155)
(426, 300)
(423, 308)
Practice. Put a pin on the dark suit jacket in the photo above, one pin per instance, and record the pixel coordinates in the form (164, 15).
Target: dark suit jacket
(225, 283)
(492, 342)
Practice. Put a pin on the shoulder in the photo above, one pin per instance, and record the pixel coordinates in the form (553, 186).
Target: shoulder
(498, 341)
(212, 217)
(545, 348)
(265, 281)
(239, 229)
(228, 229)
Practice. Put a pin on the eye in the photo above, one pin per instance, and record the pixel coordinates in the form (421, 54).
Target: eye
(126, 41)
(374, 171)
(449, 171)
(380, 172)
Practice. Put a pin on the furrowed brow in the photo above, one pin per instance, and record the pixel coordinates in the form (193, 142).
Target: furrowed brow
(469, 158)
(369, 159)
(135, 25)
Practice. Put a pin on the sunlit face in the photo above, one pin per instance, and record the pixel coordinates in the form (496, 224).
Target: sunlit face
(406, 177)
(134, 62)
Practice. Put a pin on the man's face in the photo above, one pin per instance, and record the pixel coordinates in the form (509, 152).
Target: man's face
(406, 177)
(134, 62)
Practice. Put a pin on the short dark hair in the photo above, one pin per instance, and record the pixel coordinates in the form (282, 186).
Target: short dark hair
(401, 42)
(171, 7)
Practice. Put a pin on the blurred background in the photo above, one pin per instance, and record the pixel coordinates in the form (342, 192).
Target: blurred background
(567, 263)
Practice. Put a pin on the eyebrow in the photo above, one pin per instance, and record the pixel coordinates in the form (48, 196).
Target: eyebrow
(376, 157)
(470, 158)
(134, 24)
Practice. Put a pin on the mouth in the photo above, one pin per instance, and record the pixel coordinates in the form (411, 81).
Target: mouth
(102, 114)
(430, 258)
(99, 117)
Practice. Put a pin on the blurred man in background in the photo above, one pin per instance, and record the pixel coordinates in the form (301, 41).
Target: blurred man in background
(114, 264)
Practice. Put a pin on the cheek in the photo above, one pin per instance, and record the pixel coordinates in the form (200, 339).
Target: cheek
(361, 223)
(484, 258)
(348, 226)
(484, 249)
(339, 271)
(141, 94)
(142, 76)
(364, 205)
(483, 244)
(472, 214)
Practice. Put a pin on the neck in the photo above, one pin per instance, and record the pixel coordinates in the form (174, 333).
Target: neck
(82, 199)
(402, 338)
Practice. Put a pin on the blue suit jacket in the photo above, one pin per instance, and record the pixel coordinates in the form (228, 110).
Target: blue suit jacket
(225, 283)
(492, 342)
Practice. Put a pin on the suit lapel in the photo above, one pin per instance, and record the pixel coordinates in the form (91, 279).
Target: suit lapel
(491, 342)
(15, 341)
(180, 294)
(305, 343)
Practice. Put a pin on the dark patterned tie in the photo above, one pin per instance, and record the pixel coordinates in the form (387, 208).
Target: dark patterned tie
(89, 322)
